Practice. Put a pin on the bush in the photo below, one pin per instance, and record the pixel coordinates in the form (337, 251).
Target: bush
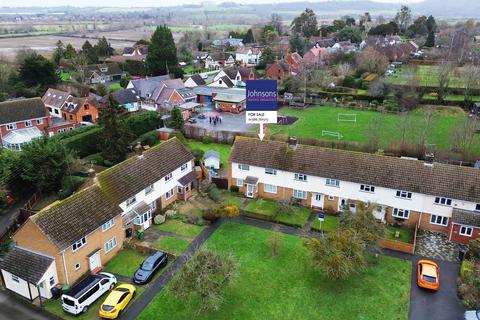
(349, 82)
(74, 132)
(170, 213)
(159, 219)
(144, 122)
(95, 158)
(179, 135)
(206, 140)
(234, 189)
(474, 249)
(229, 211)
(198, 154)
(209, 215)
(85, 143)
(150, 138)
(70, 184)
(214, 193)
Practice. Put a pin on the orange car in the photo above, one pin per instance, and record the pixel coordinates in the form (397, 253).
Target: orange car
(428, 275)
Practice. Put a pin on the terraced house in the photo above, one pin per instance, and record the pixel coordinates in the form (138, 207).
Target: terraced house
(82, 232)
(436, 196)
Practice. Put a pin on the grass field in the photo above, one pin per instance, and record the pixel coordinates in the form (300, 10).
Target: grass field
(427, 76)
(125, 263)
(331, 223)
(181, 228)
(286, 286)
(172, 245)
(223, 149)
(403, 237)
(271, 211)
(313, 120)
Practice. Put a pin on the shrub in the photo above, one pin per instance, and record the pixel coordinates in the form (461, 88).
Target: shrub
(70, 184)
(74, 132)
(209, 215)
(141, 123)
(179, 135)
(150, 138)
(214, 193)
(95, 158)
(234, 189)
(159, 219)
(474, 249)
(206, 140)
(229, 211)
(170, 213)
(349, 82)
(85, 143)
(198, 154)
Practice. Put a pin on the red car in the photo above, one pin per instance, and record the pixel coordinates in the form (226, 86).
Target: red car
(428, 275)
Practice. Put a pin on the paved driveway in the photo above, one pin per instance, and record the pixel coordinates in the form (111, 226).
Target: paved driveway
(14, 308)
(441, 305)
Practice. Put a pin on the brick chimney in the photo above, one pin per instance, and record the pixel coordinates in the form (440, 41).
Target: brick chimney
(429, 159)
(292, 143)
(139, 150)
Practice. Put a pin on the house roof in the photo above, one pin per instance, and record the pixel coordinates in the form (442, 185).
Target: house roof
(228, 97)
(112, 69)
(26, 264)
(198, 80)
(212, 153)
(245, 71)
(466, 217)
(456, 182)
(124, 96)
(55, 98)
(245, 50)
(231, 72)
(21, 110)
(189, 177)
(23, 135)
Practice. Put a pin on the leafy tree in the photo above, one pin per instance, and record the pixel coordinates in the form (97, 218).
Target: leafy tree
(298, 43)
(162, 53)
(384, 29)
(267, 57)
(44, 162)
(305, 24)
(114, 137)
(403, 18)
(89, 52)
(205, 276)
(339, 24)
(70, 52)
(176, 119)
(37, 70)
(59, 52)
(248, 38)
(268, 34)
(236, 35)
(370, 60)
(338, 255)
(142, 42)
(350, 33)
(419, 26)
(103, 49)
(349, 21)
(8, 168)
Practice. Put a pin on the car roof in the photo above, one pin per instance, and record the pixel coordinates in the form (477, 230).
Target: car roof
(429, 270)
(83, 286)
(154, 256)
(113, 298)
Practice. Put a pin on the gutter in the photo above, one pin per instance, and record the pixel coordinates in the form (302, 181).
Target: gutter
(65, 268)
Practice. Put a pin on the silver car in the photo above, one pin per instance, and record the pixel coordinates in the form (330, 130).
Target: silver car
(472, 315)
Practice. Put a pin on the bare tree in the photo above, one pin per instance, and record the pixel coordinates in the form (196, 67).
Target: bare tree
(463, 136)
(471, 79)
(374, 131)
(444, 72)
(426, 127)
(275, 239)
(344, 69)
(370, 60)
(404, 126)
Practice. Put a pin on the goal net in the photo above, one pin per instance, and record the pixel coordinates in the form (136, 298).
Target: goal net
(347, 117)
(334, 134)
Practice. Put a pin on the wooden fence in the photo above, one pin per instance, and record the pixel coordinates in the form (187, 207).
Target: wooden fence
(400, 245)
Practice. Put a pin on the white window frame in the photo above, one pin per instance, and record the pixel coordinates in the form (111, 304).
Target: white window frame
(11, 126)
(332, 182)
(108, 225)
(435, 218)
(14, 278)
(51, 282)
(244, 167)
(300, 177)
(443, 201)
(168, 177)
(28, 123)
(184, 167)
(331, 198)
(318, 197)
(149, 189)
(271, 171)
(131, 201)
(463, 230)
(299, 194)
(367, 188)
(169, 193)
(110, 245)
(239, 182)
(80, 243)
(39, 121)
(270, 189)
(77, 266)
(403, 194)
(401, 213)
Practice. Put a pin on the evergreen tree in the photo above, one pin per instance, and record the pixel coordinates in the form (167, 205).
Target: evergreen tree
(176, 119)
(305, 24)
(267, 57)
(37, 70)
(430, 42)
(431, 24)
(298, 44)
(103, 48)
(59, 52)
(162, 53)
(249, 37)
(115, 136)
(90, 53)
(70, 52)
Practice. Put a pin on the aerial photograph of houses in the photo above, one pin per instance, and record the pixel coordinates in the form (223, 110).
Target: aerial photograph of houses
(238, 160)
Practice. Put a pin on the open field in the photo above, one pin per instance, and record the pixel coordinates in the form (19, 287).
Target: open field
(312, 121)
(286, 286)
(427, 76)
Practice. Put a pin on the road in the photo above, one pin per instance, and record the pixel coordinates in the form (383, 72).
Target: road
(11, 214)
(14, 308)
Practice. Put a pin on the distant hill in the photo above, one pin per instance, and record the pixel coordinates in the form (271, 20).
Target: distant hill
(449, 8)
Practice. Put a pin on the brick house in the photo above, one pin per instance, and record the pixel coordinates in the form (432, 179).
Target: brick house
(316, 56)
(278, 70)
(84, 231)
(230, 102)
(408, 192)
(21, 121)
(78, 110)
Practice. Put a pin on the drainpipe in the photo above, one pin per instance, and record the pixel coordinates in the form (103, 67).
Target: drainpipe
(451, 231)
(65, 268)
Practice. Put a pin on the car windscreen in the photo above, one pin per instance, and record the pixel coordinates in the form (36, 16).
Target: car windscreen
(107, 308)
(429, 279)
(147, 266)
(68, 302)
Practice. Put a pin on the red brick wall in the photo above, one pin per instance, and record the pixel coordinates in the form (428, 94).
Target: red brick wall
(227, 107)
(78, 117)
(275, 72)
(456, 237)
(21, 125)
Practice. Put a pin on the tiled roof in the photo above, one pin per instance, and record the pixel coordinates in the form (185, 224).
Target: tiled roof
(189, 177)
(198, 80)
(55, 98)
(26, 264)
(124, 96)
(21, 110)
(231, 72)
(461, 183)
(470, 218)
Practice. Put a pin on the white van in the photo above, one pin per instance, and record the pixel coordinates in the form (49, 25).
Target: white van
(87, 291)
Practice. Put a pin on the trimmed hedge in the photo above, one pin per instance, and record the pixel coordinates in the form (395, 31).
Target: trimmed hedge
(70, 184)
(144, 122)
(74, 132)
(149, 138)
(84, 143)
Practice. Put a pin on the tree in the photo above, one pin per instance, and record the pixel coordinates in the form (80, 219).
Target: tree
(44, 162)
(59, 52)
(275, 239)
(267, 57)
(37, 70)
(268, 35)
(298, 43)
(70, 52)
(176, 119)
(305, 24)
(80, 63)
(276, 22)
(8, 167)
(431, 24)
(162, 53)
(403, 18)
(349, 21)
(443, 73)
(114, 137)
(103, 48)
(463, 136)
(90, 53)
(248, 38)
(471, 79)
(349, 33)
(419, 27)
(384, 29)
(370, 60)
(205, 276)
(338, 255)
(430, 42)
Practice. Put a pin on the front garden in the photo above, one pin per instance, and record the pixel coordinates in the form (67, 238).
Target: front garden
(275, 211)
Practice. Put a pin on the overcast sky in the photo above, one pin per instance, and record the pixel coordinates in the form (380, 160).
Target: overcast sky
(143, 3)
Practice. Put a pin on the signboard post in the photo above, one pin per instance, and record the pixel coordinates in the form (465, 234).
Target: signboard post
(321, 218)
(262, 104)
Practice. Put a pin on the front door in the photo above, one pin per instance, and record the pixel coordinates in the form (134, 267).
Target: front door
(250, 189)
(147, 221)
(317, 200)
(95, 262)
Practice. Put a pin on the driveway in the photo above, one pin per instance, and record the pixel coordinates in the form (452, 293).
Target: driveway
(230, 122)
(441, 305)
(14, 308)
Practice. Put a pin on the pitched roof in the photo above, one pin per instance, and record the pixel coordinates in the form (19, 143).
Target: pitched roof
(22, 109)
(212, 153)
(26, 264)
(198, 80)
(465, 217)
(112, 68)
(124, 96)
(54, 97)
(461, 183)
(231, 72)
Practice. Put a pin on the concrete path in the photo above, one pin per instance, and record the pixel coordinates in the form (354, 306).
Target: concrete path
(14, 308)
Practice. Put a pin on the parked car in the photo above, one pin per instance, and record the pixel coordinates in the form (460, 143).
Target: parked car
(85, 124)
(472, 315)
(87, 291)
(191, 120)
(117, 301)
(150, 267)
(428, 275)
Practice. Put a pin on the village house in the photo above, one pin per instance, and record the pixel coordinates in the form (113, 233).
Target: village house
(393, 47)
(205, 94)
(408, 192)
(222, 82)
(81, 233)
(228, 42)
(248, 56)
(194, 81)
(104, 73)
(135, 53)
(63, 105)
(230, 102)
(343, 47)
(128, 99)
(237, 75)
(316, 57)
(278, 70)
(218, 61)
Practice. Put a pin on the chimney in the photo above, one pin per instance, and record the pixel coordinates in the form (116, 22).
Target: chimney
(139, 150)
(91, 173)
(429, 159)
(292, 143)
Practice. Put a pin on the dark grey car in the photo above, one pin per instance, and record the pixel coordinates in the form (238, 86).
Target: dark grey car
(150, 267)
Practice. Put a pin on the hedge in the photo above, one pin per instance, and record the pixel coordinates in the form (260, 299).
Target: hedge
(141, 123)
(74, 132)
(84, 143)
(149, 138)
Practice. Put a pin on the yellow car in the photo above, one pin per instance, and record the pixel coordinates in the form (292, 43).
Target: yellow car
(117, 301)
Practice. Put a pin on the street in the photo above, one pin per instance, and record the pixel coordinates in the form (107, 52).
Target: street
(14, 308)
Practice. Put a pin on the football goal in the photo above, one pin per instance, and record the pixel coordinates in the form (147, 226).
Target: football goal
(335, 134)
(347, 117)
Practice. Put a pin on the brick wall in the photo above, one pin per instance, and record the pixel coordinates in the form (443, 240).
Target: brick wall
(426, 225)
(412, 220)
(456, 237)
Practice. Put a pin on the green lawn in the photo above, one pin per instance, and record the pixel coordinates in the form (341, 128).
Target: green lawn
(65, 76)
(223, 149)
(181, 228)
(172, 245)
(270, 210)
(452, 98)
(115, 86)
(298, 217)
(404, 234)
(313, 120)
(331, 223)
(262, 207)
(427, 76)
(286, 286)
(55, 307)
(125, 263)
(230, 199)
